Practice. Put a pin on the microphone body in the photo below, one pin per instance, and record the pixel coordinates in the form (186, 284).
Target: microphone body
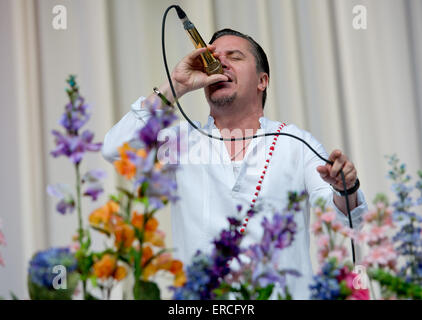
(211, 64)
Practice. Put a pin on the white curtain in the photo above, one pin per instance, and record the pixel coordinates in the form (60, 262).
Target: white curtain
(356, 90)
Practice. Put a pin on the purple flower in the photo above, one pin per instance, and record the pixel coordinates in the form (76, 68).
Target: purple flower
(160, 119)
(74, 147)
(75, 116)
(149, 133)
(93, 185)
(63, 193)
(94, 190)
(94, 175)
(280, 231)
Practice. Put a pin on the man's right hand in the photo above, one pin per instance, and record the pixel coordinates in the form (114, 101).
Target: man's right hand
(189, 74)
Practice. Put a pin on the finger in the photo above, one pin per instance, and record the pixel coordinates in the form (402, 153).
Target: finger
(211, 47)
(338, 165)
(214, 78)
(334, 155)
(348, 168)
(350, 179)
(196, 53)
(323, 171)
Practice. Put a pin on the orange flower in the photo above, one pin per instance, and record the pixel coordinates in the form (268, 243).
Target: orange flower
(120, 273)
(125, 235)
(105, 267)
(141, 153)
(164, 261)
(147, 253)
(176, 266)
(155, 238)
(103, 218)
(124, 166)
(179, 279)
(149, 271)
(138, 222)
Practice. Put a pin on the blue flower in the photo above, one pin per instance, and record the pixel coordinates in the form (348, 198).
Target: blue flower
(42, 264)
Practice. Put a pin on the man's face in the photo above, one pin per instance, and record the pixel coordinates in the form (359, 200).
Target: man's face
(240, 66)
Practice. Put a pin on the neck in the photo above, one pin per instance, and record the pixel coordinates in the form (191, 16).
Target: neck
(233, 119)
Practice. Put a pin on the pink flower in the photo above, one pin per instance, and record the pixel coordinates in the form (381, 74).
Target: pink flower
(340, 253)
(316, 227)
(323, 241)
(370, 215)
(74, 246)
(377, 233)
(328, 216)
(357, 294)
(383, 255)
(360, 294)
(336, 226)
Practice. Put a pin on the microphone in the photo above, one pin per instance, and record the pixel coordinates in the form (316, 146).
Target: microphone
(211, 64)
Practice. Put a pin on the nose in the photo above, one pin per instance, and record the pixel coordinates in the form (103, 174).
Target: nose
(224, 62)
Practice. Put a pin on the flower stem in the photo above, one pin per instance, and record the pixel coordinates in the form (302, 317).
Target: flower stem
(78, 203)
(80, 222)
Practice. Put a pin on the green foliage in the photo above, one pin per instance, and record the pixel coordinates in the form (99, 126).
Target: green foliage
(37, 292)
(396, 284)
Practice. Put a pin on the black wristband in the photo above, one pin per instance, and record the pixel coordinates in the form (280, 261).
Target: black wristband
(349, 191)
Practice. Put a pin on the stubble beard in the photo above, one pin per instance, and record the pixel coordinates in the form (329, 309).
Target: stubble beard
(224, 101)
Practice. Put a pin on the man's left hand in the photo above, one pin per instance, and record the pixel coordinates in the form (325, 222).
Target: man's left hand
(331, 173)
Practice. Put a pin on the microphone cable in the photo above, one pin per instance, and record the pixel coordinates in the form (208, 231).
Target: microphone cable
(163, 46)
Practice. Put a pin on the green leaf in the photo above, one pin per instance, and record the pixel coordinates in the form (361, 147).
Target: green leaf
(146, 290)
(265, 293)
(93, 280)
(245, 293)
(14, 296)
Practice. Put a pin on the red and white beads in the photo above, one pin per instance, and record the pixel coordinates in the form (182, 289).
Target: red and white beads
(261, 178)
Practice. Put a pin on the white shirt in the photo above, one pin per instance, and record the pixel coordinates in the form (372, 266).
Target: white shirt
(210, 192)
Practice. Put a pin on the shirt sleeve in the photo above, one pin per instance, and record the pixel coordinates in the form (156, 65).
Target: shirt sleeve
(125, 131)
(318, 188)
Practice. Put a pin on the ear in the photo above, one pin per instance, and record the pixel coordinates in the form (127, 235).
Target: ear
(263, 81)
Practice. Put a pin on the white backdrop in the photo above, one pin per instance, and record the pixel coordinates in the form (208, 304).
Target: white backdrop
(356, 90)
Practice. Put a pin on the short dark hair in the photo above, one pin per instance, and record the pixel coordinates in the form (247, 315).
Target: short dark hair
(259, 53)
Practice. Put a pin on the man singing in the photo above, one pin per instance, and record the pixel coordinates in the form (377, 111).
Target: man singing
(250, 172)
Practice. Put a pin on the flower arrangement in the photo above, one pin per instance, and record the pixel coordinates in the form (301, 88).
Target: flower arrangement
(127, 219)
(213, 276)
(393, 237)
(136, 245)
(335, 279)
(395, 262)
